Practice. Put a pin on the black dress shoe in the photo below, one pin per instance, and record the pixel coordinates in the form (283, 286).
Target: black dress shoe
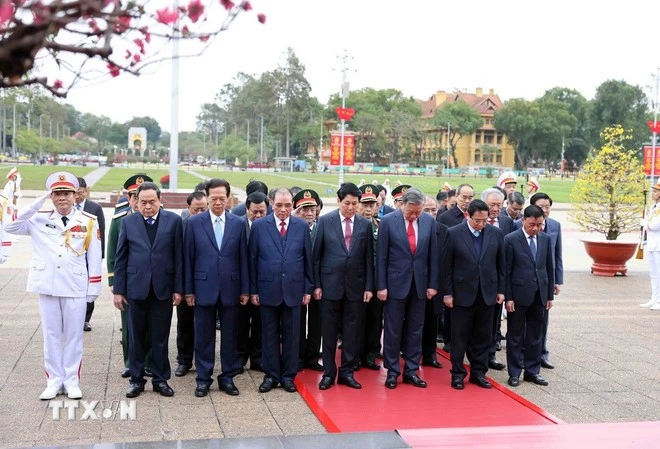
(498, 346)
(371, 365)
(229, 388)
(148, 372)
(480, 381)
(134, 389)
(267, 385)
(201, 390)
(256, 367)
(182, 370)
(349, 382)
(547, 365)
(241, 370)
(432, 363)
(446, 347)
(513, 381)
(414, 380)
(439, 339)
(289, 386)
(457, 383)
(497, 366)
(314, 366)
(87, 327)
(326, 383)
(126, 373)
(163, 389)
(536, 379)
(390, 382)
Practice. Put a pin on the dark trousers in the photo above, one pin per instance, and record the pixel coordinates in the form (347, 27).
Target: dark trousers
(544, 336)
(373, 329)
(88, 313)
(349, 314)
(185, 334)
(125, 340)
(249, 335)
(497, 321)
(446, 326)
(471, 327)
(524, 338)
(429, 333)
(404, 320)
(310, 332)
(157, 315)
(205, 334)
(280, 355)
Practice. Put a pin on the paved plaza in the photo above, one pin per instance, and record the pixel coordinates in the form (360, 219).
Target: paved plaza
(605, 348)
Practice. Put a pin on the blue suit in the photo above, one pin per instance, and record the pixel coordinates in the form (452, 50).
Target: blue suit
(148, 271)
(406, 276)
(217, 278)
(281, 272)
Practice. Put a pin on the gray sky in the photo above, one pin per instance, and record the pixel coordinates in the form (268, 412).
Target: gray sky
(519, 48)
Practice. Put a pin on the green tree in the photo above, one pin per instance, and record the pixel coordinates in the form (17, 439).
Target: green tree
(578, 141)
(461, 119)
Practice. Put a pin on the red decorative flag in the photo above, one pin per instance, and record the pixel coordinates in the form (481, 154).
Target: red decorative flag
(654, 128)
(345, 113)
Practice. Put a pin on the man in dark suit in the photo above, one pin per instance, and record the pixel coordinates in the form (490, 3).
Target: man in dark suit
(86, 205)
(249, 318)
(494, 198)
(384, 209)
(514, 205)
(216, 281)
(149, 279)
(281, 280)
(529, 293)
(343, 276)
(407, 276)
(251, 187)
(553, 229)
(185, 314)
(473, 282)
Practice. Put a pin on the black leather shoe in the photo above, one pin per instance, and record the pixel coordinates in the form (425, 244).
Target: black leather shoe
(229, 388)
(201, 390)
(446, 347)
(314, 366)
(497, 366)
(513, 381)
(126, 373)
(326, 383)
(267, 385)
(256, 367)
(289, 386)
(498, 346)
(439, 339)
(480, 381)
(536, 379)
(148, 372)
(414, 380)
(163, 389)
(182, 370)
(547, 365)
(371, 365)
(390, 382)
(87, 327)
(457, 383)
(134, 390)
(241, 370)
(349, 382)
(432, 363)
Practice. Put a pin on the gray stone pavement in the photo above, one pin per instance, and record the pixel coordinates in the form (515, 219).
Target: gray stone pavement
(605, 348)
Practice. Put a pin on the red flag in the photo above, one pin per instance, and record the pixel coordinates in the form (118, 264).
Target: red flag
(345, 113)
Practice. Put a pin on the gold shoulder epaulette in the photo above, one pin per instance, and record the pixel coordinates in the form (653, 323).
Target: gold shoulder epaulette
(120, 214)
(87, 214)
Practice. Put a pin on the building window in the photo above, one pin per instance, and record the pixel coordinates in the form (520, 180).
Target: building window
(477, 156)
(488, 137)
(499, 139)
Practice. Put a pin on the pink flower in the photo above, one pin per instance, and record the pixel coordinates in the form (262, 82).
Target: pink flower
(145, 32)
(137, 58)
(261, 18)
(128, 54)
(114, 70)
(140, 44)
(94, 26)
(246, 6)
(204, 38)
(195, 10)
(166, 16)
(6, 12)
(228, 4)
(58, 84)
(185, 31)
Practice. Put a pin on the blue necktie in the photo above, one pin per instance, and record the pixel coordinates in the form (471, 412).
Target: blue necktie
(218, 231)
(78, 206)
(532, 246)
(150, 221)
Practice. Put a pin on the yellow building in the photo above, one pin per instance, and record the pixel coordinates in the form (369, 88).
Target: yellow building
(486, 147)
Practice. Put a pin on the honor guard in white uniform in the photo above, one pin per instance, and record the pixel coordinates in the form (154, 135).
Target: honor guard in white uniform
(10, 195)
(5, 243)
(65, 272)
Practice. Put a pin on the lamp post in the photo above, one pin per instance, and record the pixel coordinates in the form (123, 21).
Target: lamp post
(344, 94)
(261, 144)
(655, 126)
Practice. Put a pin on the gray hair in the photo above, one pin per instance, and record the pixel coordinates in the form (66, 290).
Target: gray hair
(431, 198)
(413, 196)
(516, 197)
(491, 191)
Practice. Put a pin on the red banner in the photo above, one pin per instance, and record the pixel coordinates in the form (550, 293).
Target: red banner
(648, 160)
(335, 149)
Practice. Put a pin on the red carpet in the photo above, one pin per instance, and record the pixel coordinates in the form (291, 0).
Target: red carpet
(376, 408)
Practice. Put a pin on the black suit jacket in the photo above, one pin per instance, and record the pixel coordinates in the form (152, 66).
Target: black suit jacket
(505, 223)
(464, 273)
(386, 210)
(451, 218)
(338, 271)
(138, 265)
(442, 232)
(95, 209)
(526, 275)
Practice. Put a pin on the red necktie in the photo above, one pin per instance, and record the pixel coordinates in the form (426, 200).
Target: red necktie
(492, 221)
(411, 237)
(347, 233)
(465, 214)
(282, 229)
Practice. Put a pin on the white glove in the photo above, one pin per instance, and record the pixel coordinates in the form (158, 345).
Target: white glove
(643, 222)
(39, 202)
(91, 298)
(3, 259)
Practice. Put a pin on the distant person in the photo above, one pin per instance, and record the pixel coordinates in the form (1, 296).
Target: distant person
(201, 187)
(514, 206)
(652, 227)
(252, 186)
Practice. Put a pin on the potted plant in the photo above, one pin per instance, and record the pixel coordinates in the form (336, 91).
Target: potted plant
(608, 198)
(165, 181)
